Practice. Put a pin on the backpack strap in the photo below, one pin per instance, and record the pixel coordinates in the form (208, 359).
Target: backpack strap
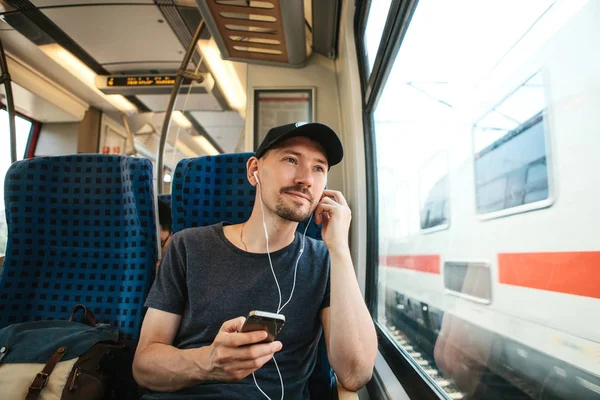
(41, 379)
(88, 316)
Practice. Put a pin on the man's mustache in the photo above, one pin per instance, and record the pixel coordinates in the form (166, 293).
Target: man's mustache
(298, 189)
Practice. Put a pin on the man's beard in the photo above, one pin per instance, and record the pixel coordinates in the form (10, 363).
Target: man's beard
(293, 214)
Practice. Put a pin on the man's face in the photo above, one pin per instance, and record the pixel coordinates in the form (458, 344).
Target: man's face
(293, 176)
(164, 235)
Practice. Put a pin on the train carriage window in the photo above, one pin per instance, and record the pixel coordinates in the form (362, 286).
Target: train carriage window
(471, 280)
(433, 185)
(23, 130)
(511, 171)
(492, 309)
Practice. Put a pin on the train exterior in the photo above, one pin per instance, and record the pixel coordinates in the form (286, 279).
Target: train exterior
(491, 253)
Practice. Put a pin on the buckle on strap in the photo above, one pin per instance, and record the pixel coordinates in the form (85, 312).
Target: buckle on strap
(40, 381)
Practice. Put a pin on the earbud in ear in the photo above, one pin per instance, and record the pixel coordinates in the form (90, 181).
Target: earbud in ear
(256, 177)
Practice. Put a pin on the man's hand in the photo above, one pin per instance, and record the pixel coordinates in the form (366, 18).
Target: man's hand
(335, 215)
(234, 355)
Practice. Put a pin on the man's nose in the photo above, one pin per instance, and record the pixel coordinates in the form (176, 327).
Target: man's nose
(304, 176)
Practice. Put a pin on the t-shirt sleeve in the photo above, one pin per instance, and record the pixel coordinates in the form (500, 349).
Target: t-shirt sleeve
(169, 291)
(325, 302)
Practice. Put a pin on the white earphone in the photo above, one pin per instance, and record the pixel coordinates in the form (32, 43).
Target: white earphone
(279, 306)
(256, 176)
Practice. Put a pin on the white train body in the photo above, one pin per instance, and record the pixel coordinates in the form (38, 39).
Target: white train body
(552, 304)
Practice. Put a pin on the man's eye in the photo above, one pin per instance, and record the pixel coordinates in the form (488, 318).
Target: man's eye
(291, 159)
(320, 169)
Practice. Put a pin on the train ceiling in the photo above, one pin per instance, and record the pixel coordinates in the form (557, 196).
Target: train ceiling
(150, 37)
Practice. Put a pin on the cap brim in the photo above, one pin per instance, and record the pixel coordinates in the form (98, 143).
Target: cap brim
(321, 134)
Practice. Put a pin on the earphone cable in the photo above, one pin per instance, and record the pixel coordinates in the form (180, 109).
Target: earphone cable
(279, 306)
(296, 267)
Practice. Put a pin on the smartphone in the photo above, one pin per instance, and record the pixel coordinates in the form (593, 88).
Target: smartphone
(264, 321)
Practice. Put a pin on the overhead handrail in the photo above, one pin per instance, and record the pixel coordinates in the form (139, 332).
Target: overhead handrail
(182, 73)
(158, 166)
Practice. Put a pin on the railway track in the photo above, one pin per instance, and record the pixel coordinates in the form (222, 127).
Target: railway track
(420, 348)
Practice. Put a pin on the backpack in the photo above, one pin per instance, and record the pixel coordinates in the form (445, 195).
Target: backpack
(67, 360)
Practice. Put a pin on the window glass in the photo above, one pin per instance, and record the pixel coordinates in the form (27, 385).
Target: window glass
(433, 184)
(471, 280)
(376, 18)
(23, 130)
(513, 167)
(489, 113)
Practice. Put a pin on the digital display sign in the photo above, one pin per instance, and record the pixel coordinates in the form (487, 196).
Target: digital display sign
(148, 80)
(128, 85)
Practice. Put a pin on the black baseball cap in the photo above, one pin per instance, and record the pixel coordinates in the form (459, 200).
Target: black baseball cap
(320, 133)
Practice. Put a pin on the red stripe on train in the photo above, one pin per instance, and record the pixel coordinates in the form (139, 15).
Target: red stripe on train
(423, 263)
(575, 273)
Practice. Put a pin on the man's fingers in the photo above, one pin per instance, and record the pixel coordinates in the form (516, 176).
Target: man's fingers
(254, 364)
(326, 207)
(323, 211)
(318, 213)
(257, 351)
(233, 325)
(330, 201)
(246, 338)
(336, 195)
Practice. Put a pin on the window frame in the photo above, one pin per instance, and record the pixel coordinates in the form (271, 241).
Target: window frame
(414, 381)
(389, 44)
(34, 132)
(32, 139)
(385, 37)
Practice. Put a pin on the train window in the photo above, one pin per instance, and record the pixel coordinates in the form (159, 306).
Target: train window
(23, 131)
(378, 12)
(433, 185)
(511, 171)
(471, 280)
(500, 308)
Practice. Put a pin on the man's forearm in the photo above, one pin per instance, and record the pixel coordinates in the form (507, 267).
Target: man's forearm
(353, 341)
(165, 368)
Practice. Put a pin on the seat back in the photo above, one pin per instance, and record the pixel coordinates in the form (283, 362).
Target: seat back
(207, 190)
(80, 230)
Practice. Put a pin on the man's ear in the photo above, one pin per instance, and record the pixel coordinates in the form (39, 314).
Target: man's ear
(251, 168)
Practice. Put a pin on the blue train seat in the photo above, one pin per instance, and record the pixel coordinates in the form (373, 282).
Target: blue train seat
(80, 230)
(207, 190)
(210, 189)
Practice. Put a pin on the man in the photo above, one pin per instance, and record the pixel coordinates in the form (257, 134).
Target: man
(164, 221)
(212, 277)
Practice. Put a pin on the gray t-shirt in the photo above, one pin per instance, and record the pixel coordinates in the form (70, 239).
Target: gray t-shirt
(207, 280)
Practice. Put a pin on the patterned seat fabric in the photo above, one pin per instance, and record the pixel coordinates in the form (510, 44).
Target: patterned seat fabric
(80, 230)
(207, 190)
